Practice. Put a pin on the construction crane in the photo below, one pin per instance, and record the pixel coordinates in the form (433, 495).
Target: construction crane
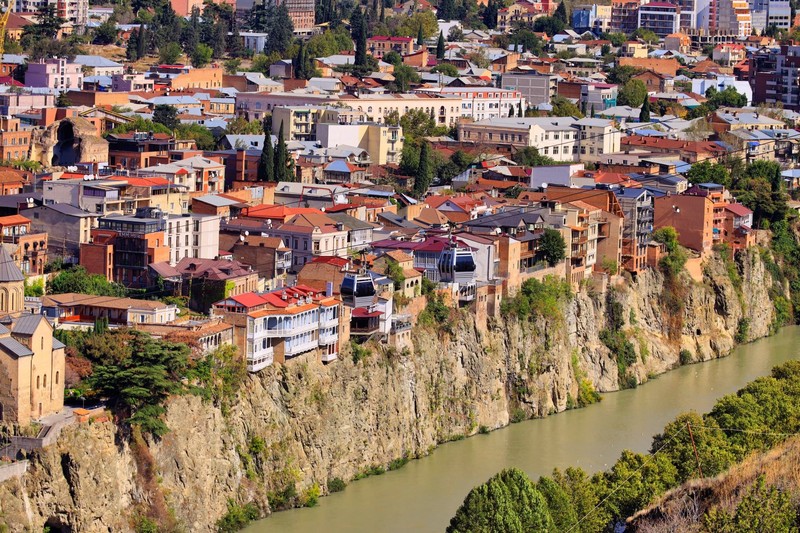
(3, 24)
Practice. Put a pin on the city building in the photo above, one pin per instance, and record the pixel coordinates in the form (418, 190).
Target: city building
(479, 103)
(534, 87)
(662, 18)
(734, 17)
(286, 323)
(380, 45)
(15, 139)
(27, 248)
(87, 308)
(54, 73)
(66, 226)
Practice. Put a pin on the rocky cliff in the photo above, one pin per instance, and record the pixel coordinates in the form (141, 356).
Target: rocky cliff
(303, 423)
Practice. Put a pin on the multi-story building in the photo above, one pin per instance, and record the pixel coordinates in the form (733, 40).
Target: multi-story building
(311, 234)
(625, 15)
(637, 206)
(534, 87)
(55, 73)
(124, 246)
(134, 82)
(383, 142)
(135, 150)
(27, 248)
(479, 103)
(695, 14)
(691, 215)
(66, 226)
(15, 139)
(662, 18)
(299, 123)
(594, 18)
(75, 12)
(185, 77)
(286, 323)
(734, 17)
(192, 235)
(775, 76)
(522, 13)
(556, 137)
(380, 45)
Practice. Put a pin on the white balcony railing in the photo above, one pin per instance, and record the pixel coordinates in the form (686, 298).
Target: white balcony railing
(299, 348)
(328, 338)
(328, 357)
(258, 363)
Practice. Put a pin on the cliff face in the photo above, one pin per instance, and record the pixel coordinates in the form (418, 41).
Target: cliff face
(304, 423)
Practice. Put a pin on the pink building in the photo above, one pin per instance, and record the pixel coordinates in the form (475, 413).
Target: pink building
(55, 73)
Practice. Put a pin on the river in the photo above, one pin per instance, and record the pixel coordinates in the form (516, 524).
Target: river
(423, 495)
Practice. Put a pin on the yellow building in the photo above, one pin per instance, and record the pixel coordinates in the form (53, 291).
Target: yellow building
(31, 360)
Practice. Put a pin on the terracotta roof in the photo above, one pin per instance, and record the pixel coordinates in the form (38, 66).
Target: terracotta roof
(738, 209)
(13, 220)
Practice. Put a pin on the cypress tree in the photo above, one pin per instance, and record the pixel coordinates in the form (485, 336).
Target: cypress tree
(358, 30)
(235, 45)
(519, 110)
(592, 111)
(132, 51)
(511, 111)
(425, 171)
(281, 156)
(420, 36)
(440, 46)
(141, 43)
(644, 114)
(266, 165)
(383, 14)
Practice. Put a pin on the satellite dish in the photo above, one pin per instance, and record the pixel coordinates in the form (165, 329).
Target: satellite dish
(322, 209)
(246, 233)
(241, 238)
(544, 185)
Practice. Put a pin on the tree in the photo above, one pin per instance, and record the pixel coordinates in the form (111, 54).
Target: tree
(563, 107)
(63, 100)
(420, 37)
(632, 94)
(552, 246)
(763, 508)
(140, 124)
(235, 44)
(191, 32)
(358, 27)
(137, 384)
(508, 502)
(132, 48)
(447, 69)
(645, 35)
(530, 157)
(440, 46)
(232, 65)
(280, 29)
(198, 133)
(393, 58)
(201, 56)
(489, 15)
(404, 76)
(142, 46)
(559, 504)
(417, 123)
(78, 280)
(707, 172)
(47, 25)
(395, 273)
(424, 174)
(282, 171)
(240, 126)
(446, 10)
(549, 25)
(266, 163)
(409, 159)
(561, 13)
(617, 39)
(166, 115)
(644, 113)
(45, 48)
(170, 53)
(621, 74)
(105, 33)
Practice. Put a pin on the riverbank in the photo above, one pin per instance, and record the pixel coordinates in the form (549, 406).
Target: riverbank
(296, 427)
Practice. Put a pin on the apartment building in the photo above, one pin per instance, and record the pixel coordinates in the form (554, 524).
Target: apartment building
(122, 247)
(775, 76)
(625, 15)
(310, 234)
(54, 73)
(522, 12)
(15, 139)
(282, 324)
(192, 235)
(181, 77)
(66, 226)
(75, 12)
(734, 17)
(383, 142)
(662, 18)
(380, 45)
(534, 87)
(480, 103)
(300, 123)
(137, 82)
(562, 138)
(637, 206)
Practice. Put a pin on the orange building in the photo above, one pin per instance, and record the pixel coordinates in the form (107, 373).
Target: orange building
(14, 139)
(29, 250)
(692, 216)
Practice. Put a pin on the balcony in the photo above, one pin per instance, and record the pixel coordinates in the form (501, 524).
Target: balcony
(293, 349)
(328, 357)
(326, 322)
(254, 364)
(328, 338)
(290, 330)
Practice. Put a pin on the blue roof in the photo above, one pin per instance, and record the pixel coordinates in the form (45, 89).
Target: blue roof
(338, 165)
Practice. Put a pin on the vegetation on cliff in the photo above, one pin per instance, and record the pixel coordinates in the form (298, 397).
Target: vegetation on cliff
(758, 417)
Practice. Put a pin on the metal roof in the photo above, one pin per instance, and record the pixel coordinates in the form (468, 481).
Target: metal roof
(26, 324)
(14, 347)
(9, 271)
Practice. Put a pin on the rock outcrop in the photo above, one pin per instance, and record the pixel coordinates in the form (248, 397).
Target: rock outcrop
(304, 423)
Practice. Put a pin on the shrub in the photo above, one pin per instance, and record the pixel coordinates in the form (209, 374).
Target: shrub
(586, 393)
(686, 357)
(517, 415)
(283, 499)
(538, 299)
(359, 352)
(742, 330)
(398, 463)
(336, 484)
(310, 496)
(237, 517)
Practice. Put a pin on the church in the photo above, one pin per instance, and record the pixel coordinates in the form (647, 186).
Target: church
(31, 359)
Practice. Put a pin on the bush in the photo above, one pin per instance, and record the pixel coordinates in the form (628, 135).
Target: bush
(538, 298)
(336, 484)
(398, 463)
(310, 496)
(586, 393)
(359, 352)
(283, 499)
(686, 357)
(237, 517)
(517, 415)
(742, 330)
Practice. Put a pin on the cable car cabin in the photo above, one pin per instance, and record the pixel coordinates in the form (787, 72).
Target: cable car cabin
(358, 290)
(457, 265)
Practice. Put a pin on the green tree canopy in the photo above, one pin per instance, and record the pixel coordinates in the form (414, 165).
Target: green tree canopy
(562, 107)
(201, 55)
(78, 280)
(530, 157)
(167, 115)
(507, 503)
(707, 172)
(170, 53)
(552, 246)
(632, 94)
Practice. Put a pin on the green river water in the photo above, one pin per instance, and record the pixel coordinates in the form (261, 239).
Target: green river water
(423, 495)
